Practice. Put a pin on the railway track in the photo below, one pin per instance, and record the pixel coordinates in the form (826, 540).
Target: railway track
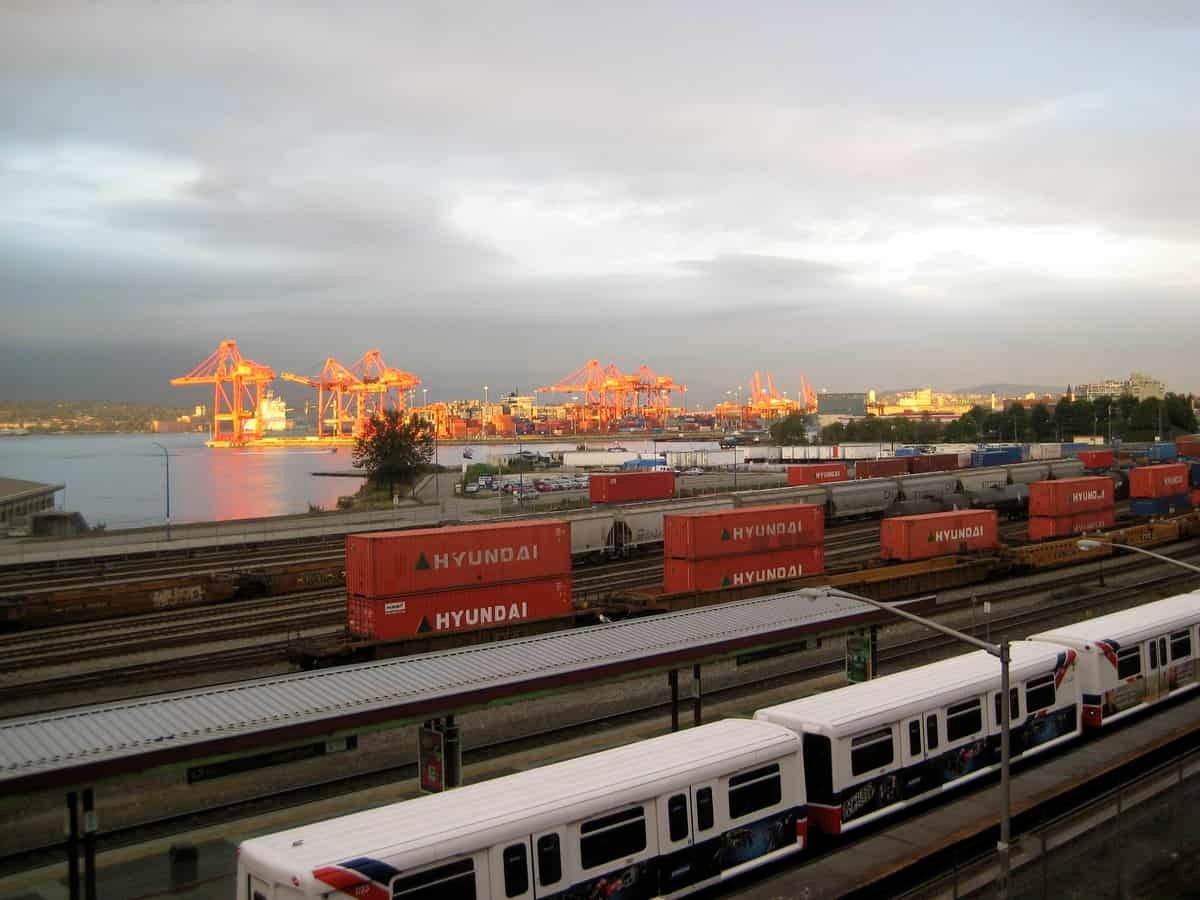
(893, 655)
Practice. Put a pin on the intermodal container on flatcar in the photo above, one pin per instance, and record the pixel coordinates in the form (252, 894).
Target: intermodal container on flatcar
(1153, 482)
(391, 563)
(1195, 496)
(469, 609)
(1098, 459)
(934, 462)
(629, 487)
(1070, 496)
(938, 534)
(1043, 527)
(754, 529)
(683, 575)
(818, 473)
(1194, 474)
(1188, 446)
(1160, 506)
(883, 468)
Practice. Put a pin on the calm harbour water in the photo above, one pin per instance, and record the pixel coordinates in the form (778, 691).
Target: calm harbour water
(119, 479)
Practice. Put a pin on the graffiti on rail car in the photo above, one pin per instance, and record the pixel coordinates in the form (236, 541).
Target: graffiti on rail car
(181, 595)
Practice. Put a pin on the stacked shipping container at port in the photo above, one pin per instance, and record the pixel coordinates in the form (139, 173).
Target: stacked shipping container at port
(404, 583)
(733, 548)
(818, 473)
(629, 487)
(1188, 446)
(911, 538)
(1070, 506)
(886, 467)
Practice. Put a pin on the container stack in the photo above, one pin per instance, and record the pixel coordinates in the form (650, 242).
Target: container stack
(403, 584)
(818, 473)
(1069, 506)
(1188, 447)
(737, 548)
(883, 468)
(910, 538)
(996, 456)
(630, 487)
(1159, 490)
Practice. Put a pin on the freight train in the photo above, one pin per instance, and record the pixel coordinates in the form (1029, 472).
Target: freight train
(679, 813)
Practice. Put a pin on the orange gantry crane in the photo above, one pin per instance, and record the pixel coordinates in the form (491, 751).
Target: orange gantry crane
(337, 398)
(376, 380)
(606, 395)
(767, 403)
(238, 385)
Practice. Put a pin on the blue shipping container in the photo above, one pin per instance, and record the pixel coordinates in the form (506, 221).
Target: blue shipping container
(1160, 506)
(908, 451)
(1161, 452)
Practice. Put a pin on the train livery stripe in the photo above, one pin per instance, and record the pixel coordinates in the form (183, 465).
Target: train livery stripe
(363, 877)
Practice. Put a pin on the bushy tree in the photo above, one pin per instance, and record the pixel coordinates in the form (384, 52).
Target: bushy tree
(789, 430)
(394, 450)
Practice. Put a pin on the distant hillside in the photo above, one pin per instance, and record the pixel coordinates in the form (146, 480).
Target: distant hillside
(1014, 390)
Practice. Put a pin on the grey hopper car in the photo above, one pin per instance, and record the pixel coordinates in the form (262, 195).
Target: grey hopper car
(1066, 468)
(1011, 500)
(869, 497)
(973, 480)
(1026, 473)
(930, 486)
(815, 494)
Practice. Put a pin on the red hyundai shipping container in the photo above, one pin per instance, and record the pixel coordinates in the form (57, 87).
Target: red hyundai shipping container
(1069, 496)
(818, 473)
(627, 487)
(757, 529)
(391, 563)
(1043, 527)
(1097, 459)
(683, 575)
(1188, 446)
(1152, 482)
(938, 534)
(883, 468)
(469, 609)
(934, 462)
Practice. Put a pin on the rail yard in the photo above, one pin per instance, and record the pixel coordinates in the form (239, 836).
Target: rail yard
(1008, 549)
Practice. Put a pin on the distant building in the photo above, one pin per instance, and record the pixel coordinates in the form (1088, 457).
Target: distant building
(852, 404)
(19, 500)
(1138, 385)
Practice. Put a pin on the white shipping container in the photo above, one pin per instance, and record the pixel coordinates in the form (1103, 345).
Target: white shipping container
(596, 459)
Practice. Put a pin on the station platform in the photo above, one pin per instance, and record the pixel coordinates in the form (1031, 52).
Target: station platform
(871, 864)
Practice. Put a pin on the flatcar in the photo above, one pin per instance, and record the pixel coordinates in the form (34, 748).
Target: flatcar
(872, 749)
(662, 817)
(1131, 659)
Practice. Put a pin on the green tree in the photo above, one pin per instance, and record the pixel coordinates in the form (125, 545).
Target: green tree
(790, 430)
(394, 451)
(1040, 422)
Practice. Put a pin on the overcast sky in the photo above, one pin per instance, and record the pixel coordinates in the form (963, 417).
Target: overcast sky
(873, 195)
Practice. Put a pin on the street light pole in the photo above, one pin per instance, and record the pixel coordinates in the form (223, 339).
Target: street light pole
(167, 457)
(1094, 544)
(1000, 651)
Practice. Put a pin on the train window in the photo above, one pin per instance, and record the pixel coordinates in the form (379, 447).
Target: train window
(1039, 693)
(704, 809)
(677, 817)
(516, 870)
(1129, 662)
(454, 881)
(931, 731)
(1181, 645)
(549, 860)
(1014, 705)
(963, 720)
(871, 751)
(610, 837)
(754, 790)
(1153, 655)
(914, 737)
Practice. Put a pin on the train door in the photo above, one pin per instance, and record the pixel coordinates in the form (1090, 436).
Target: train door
(257, 889)
(677, 867)
(1157, 676)
(913, 758)
(549, 858)
(511, 866)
